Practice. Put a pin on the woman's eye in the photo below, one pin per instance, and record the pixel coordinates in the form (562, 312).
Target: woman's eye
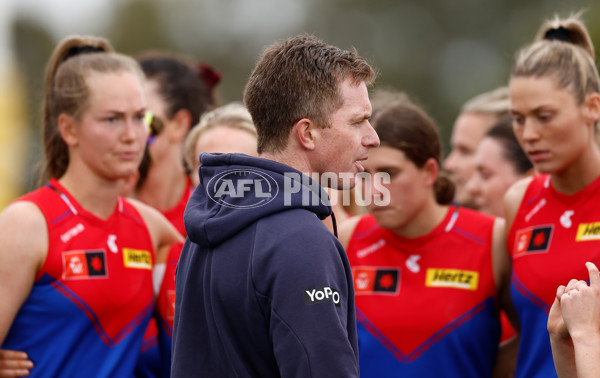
(518, 120)
(390, 172)
(140, 119)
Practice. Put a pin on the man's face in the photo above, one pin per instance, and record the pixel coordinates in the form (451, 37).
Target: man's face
(468, 130)
(341, 147)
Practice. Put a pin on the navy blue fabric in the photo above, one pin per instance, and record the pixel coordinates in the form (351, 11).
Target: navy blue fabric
(263, 289)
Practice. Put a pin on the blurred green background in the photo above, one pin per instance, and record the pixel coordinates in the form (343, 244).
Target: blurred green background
(442, 52)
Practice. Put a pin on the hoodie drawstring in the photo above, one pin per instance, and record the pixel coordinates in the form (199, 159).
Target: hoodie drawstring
(334, 224)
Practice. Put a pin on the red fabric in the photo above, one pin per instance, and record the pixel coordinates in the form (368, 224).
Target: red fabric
(421, 305)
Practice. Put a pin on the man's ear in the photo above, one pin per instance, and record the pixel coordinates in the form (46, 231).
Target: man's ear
(179, 125)
(431, 171)
(68, 130)
(306, 132)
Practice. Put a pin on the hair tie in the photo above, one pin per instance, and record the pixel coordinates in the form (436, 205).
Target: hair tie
(85, 49)
(208, 75)
(560, 33)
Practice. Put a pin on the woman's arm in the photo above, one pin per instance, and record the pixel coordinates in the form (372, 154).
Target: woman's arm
(162, 232)
(163, 235)
(24, 245)
(506, 360)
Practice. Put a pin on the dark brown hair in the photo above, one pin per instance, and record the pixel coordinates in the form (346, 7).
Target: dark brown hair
(406, 127)
(179, 83)
(298, 79)
(511, 149)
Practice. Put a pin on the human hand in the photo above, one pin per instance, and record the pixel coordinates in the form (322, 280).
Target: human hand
(14, 363)
(580, 306)
(556, 325)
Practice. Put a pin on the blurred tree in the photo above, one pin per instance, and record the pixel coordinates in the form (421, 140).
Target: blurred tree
(33, 46)
(137, 25)
(440, 52)
(14, 132)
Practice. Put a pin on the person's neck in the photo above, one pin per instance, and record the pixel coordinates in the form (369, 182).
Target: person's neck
(163, 187)
(97, 195)
(291, 159)
(427, 219)
(580, 174)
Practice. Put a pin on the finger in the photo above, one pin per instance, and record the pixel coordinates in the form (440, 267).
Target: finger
(14, 373)
(560, 291)
(581, 285)
(571, 285)
(15, 364)
(6, 354)
(594, 274)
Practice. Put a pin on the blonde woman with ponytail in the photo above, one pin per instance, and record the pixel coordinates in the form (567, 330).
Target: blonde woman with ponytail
(76, 258)
(553, 217)
(429, 276)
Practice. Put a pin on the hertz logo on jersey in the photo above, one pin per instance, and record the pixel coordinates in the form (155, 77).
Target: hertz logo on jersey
(137, 259)
(452, 278)
(588, 231)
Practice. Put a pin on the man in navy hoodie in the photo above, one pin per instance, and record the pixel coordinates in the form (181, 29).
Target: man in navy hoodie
(263, 288)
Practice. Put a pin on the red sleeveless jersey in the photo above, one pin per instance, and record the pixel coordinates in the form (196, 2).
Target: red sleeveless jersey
(426, 305)
(156, 351)
(92, 298)
(175, 214)
(551, 238)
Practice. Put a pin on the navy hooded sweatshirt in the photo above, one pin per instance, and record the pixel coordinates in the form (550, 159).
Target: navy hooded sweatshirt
(263, 289)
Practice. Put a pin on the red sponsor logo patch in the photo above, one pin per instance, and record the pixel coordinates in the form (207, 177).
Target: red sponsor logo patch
(533, 240)
(82, 264)
(371, 280)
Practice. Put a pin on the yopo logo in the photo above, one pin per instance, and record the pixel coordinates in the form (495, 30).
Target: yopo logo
(242, 188)
(322, 294)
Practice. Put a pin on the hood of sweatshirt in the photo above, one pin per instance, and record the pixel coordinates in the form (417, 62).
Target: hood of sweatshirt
(236, 190)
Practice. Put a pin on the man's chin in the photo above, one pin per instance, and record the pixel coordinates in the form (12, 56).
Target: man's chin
(338, 181)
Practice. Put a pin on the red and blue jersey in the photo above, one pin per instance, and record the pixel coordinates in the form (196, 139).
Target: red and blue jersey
(155, 356)
(552, 236)
(92, 298)
(175, 214)
(151, 363)
(165, 306)
(426, 306)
